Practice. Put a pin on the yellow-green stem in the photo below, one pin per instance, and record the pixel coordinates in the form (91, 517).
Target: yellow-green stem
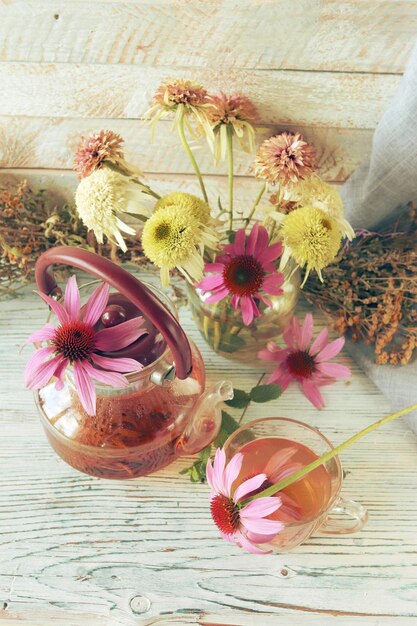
(190, 154)
(327, 456)
(230, 172)
(255, 204)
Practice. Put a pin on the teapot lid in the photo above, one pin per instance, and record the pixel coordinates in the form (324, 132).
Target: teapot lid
(132, 299)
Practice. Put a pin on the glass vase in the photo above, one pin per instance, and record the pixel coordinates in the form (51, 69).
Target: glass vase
(223, 329)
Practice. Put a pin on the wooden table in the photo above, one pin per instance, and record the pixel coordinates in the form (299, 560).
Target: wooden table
(78, 550)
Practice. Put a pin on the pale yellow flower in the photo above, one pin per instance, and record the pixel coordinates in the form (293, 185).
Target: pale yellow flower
(311, 237)
(173, 238)
(104, 195)
(197, 208)
(314, 191)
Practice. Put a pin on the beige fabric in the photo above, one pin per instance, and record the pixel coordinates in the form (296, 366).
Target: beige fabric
(375, 191)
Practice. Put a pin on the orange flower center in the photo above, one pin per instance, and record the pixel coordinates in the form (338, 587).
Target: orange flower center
(225, 514)
(301, 364)
(75, 340)
(244, 275)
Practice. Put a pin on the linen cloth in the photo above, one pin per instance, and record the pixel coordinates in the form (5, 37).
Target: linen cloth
(375, 191)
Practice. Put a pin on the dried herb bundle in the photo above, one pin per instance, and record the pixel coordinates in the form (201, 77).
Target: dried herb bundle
(30, 223)
(370, 292)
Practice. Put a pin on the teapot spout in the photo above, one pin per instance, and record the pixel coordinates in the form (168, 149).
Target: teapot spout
(205, 420)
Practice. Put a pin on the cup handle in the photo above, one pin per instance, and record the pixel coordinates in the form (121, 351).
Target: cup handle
(346, 517)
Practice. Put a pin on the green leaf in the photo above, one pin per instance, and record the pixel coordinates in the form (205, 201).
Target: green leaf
(231, 343)
(240, 399)
(231, 235)
(265, 393)
(229, 424)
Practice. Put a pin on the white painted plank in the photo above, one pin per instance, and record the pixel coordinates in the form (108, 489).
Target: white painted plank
(50, 143)
(342, 35)
(115, 91)
(72, 544)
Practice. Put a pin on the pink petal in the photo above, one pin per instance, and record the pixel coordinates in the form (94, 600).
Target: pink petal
(289, 511)
(280, 376)
(306, 332)
(319, 342)
(262, 242)
(211, 282)
(252, 239)
(216, 268)
(277, 461)
(239, 242)
(248, 545)
(296, 331)
(217, 296)
(47, 333)
(117, 364)
(289, 336)
(232, 471)
(96, 304)
(38, 358)
(334, 370)
(218, 471)
(331, 350)
(85, 388)
(262, 526)
(260, 507)
(288, 470)
(57, 308)
(37, 376)
(235, 301)
(59, 372)
(252, 484)
(114, 379)
(278, 354)
(259, 538)
(246, 306)
(313, 394)
(72, 299)
(271, 253)
(120, 336)
(272, 284)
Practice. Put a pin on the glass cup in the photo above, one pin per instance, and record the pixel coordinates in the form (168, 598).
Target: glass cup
(328, 512)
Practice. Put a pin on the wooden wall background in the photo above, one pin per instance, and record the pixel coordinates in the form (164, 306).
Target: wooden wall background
(326, 67)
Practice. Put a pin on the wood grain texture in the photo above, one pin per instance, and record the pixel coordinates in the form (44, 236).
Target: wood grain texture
(337, 99)
(75, 549)
(339, 35)
(51, 142)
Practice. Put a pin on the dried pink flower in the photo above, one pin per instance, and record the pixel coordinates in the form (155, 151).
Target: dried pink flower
(97, 148)
(171, 93)
(285, 158)
(231, 109)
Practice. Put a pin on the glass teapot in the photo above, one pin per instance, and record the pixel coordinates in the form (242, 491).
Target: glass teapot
(165, 411)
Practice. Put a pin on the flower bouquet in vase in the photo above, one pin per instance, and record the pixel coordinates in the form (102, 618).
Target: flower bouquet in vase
(242, 266)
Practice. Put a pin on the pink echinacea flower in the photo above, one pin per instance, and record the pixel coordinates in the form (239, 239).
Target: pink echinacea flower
(76, 342)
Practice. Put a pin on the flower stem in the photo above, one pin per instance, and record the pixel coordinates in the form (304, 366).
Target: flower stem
(189, 152)
(270, 491)
(230, 172)
(255, 204)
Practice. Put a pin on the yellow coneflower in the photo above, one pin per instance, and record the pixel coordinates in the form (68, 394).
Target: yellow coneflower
(311, 237)
(313, 191)
(187, 202)
(171, 238)
(103, 195)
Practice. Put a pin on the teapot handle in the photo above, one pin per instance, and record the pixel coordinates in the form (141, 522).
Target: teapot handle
(127, 285)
